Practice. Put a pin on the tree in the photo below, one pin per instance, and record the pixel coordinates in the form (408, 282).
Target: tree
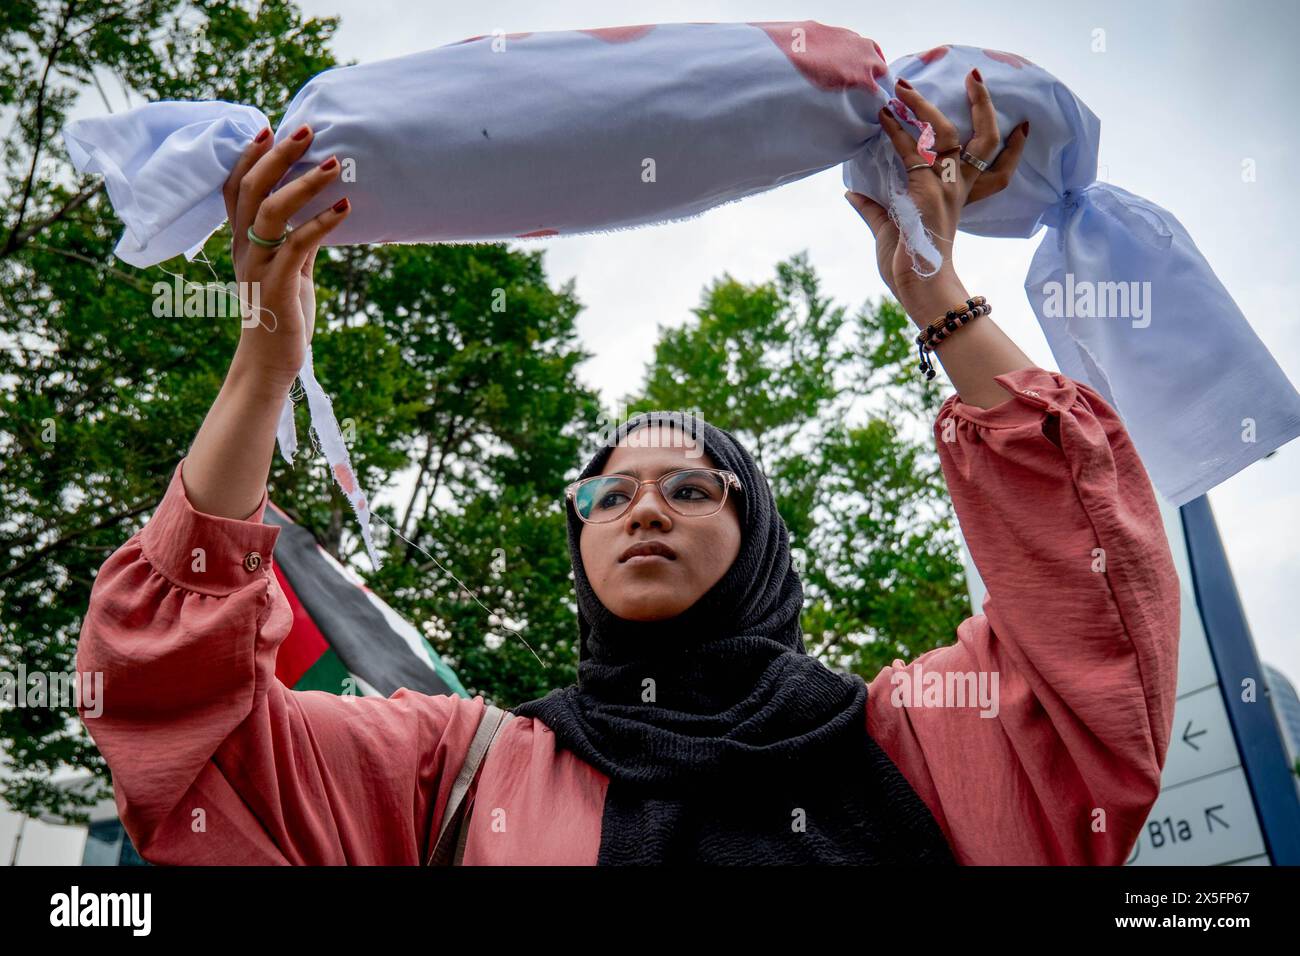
(455, 362)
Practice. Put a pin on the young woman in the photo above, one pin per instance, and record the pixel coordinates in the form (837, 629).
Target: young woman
(699, 729)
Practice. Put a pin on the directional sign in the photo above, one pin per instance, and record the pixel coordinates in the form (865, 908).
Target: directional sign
(1205, 814)
(1202, 743)
(1206, 821)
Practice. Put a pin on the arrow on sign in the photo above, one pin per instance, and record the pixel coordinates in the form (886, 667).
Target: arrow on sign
(1188, 735)
(1211, 816)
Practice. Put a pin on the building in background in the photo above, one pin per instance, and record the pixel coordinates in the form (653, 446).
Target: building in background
(1287, 705)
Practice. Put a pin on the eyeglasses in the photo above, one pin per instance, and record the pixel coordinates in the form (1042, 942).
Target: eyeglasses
(693, 492)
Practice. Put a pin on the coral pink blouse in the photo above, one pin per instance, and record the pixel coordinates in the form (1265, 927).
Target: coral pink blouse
(215, 761)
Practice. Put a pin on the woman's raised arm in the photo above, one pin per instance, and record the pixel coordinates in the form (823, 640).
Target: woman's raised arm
(213, 759)
(1040, 736)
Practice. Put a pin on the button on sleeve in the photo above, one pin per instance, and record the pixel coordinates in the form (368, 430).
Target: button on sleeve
(206, 553)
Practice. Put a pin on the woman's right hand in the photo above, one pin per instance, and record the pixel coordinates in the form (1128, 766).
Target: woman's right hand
(276, 333)
(939, 193)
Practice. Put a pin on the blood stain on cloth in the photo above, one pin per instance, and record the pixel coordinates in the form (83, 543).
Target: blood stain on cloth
(926, 138)
(1012, 59)
(344, 475)
(620, 34)
(830, 58)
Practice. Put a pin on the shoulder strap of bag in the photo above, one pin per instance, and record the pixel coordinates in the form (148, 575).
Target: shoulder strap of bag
(450, 846)
(467, 806)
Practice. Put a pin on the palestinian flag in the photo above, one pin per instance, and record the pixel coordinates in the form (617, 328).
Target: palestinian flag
(344, 638)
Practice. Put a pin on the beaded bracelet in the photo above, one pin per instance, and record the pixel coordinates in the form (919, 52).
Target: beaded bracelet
(944, 326)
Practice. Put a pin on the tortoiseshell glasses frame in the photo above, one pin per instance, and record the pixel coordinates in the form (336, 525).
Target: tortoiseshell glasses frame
(713, 483)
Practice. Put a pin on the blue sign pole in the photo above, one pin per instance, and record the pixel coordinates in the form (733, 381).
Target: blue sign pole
(1254, 724)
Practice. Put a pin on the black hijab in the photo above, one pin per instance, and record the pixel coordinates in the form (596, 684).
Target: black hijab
(750, 750)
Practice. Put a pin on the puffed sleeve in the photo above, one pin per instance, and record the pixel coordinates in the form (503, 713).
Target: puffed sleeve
(213, 759)
(1057, 759)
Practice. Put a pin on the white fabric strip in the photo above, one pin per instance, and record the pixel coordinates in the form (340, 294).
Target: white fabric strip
(285, 435)
(336, 452)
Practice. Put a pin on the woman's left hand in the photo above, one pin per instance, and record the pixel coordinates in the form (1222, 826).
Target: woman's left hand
(939, 191)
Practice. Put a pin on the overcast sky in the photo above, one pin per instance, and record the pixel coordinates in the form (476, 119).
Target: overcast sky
(1185, 91)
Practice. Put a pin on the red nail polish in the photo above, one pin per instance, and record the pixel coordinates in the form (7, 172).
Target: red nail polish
(903, 83)
(329, 164)
(341, 205)
(301, 134)
(261, 137)
(978, 78)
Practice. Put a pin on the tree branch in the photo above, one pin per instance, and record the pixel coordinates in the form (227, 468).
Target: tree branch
(22, 238)
(40, 553)
(125, 277)
(405, 523)
(10, 243)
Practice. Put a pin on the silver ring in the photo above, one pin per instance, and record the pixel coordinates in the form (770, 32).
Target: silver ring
(919, 166)
(975, 161)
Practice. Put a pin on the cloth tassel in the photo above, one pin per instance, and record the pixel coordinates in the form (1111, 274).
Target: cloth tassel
(285, 436)
(1129, 304)
(330, 436)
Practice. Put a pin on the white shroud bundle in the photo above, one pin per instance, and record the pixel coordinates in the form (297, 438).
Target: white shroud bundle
(564, 133)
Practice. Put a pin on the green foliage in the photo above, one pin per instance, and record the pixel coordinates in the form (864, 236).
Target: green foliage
(494, 421)
(98, 398)
(454, 363)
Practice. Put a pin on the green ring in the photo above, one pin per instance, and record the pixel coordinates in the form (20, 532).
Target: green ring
(268, 243)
